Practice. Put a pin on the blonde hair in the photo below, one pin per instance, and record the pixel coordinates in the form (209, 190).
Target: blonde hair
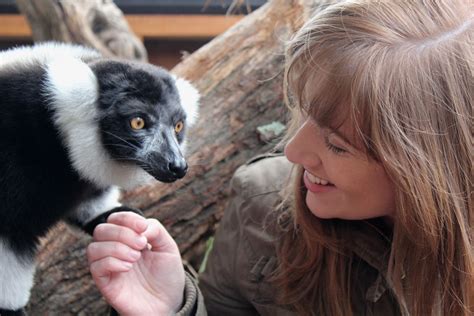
(402, 73)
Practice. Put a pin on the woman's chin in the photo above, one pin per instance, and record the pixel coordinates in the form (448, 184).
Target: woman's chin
(316, 208)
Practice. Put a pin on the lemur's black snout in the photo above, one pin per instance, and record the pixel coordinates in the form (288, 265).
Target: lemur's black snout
(178, 168)
(166, 169)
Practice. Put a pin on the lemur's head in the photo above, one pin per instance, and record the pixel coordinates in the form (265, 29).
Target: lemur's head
(123, 123)
(143, 116)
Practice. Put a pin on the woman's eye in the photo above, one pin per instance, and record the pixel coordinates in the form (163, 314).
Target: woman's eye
(137, 123)
(335, 149)
(178, 127)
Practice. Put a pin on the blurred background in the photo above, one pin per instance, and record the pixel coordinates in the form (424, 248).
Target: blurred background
(169, 29)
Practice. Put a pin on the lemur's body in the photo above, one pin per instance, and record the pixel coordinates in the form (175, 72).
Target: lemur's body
(66, 142)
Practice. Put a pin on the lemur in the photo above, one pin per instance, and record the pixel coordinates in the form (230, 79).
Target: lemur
(74, 127)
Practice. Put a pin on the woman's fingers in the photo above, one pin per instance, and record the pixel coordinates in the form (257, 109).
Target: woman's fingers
(133, 231)
(102, 269)
(121, 234)
(100, 250)
(131, 220)
(159, 238)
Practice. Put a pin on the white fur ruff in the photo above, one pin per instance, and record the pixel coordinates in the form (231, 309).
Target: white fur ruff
(90, 209)
(73, 91)
(189, 97)
(43, 53)
(16, 278)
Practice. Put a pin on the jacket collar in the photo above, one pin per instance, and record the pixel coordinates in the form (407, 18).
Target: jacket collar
(371, 242)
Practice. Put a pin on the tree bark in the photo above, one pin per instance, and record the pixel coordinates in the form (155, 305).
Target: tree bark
(239, 75)
(95, 23)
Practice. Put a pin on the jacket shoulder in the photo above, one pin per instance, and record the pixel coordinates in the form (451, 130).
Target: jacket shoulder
(261, 175)
(257, 192)
(243, 251)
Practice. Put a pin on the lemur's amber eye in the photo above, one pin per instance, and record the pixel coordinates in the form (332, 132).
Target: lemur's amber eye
(178, 127)
(137, 123)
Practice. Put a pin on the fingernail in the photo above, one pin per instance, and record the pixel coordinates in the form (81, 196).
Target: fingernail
(127, 265)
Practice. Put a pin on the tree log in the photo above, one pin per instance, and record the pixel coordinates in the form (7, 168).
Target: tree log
(239, 75)
(95, 23)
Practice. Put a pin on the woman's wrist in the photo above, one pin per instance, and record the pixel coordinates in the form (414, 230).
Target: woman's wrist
(156, 310)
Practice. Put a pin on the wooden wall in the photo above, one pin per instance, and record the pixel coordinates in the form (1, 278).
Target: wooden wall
(166, 36)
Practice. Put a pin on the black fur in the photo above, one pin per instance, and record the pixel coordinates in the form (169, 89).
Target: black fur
(102, 218)
(37, 183)
(6, 312)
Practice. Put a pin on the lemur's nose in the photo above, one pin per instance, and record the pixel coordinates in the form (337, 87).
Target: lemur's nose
(178, 167)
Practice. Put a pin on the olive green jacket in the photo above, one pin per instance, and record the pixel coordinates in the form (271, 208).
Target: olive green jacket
(235, 280)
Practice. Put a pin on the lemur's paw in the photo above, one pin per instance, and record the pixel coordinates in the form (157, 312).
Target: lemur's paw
(102, 218)
(9, 312)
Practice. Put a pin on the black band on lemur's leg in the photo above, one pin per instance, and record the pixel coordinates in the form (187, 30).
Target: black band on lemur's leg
(9, 312)
(113, 312)
(102, 218)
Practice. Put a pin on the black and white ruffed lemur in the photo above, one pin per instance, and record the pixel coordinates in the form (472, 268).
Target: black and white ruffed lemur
(74, 127)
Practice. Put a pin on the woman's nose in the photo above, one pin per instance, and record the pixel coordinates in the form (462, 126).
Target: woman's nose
(302, 147)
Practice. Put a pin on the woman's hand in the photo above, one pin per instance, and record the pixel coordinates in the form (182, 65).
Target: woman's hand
(137, 265)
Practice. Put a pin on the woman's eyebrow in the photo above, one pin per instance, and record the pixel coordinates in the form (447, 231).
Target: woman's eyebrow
(336, 132)
(343, 137)
(340, 135)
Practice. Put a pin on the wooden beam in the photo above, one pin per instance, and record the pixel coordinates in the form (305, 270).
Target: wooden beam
(181, 26)
(143, 25)
(14, 25)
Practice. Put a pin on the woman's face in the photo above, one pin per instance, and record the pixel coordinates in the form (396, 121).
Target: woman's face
(341, 181)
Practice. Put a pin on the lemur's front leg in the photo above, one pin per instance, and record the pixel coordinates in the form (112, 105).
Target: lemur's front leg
(16, 278)
(96, 210)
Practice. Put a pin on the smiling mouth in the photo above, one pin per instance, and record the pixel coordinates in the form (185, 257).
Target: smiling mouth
(310, 182)
(317, 180)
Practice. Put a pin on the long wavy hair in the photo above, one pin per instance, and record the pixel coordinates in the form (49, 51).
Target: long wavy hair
(402, 73)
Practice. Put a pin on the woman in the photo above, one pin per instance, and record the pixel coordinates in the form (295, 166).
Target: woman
(380, 216)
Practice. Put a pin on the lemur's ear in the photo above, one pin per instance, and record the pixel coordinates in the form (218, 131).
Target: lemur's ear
(189, 97)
